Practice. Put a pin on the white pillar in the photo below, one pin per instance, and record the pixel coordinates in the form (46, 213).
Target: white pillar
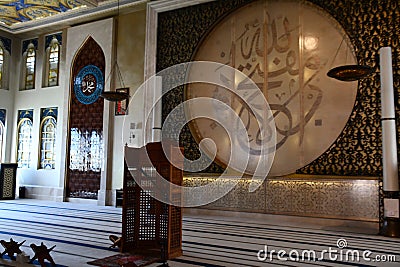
(157, 110)
(389, 142)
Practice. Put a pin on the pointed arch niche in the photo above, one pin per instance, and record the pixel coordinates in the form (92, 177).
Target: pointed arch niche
(85, 141)
(87, 44)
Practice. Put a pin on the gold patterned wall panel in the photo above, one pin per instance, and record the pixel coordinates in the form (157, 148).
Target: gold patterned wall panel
(325, 197)
(8, 180)
(239, 199)
(8, 183)
(344, 198)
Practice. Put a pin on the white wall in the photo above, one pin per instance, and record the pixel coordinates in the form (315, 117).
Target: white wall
(7, 103)
(40, 97)
(7, 97)
(130, 45)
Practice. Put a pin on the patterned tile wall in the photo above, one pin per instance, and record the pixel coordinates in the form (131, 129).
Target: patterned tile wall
(8, 183)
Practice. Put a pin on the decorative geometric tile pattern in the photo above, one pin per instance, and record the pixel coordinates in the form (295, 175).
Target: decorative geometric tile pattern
(238, 199)
(8, 183)
(345, 198)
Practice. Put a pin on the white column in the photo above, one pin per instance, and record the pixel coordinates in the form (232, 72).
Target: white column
(157, 110)
(389, 142)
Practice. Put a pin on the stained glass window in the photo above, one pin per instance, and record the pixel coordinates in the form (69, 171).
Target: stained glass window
(24, 138)
(48, 129)
(53, 43)
(29, 66)
(86, 152)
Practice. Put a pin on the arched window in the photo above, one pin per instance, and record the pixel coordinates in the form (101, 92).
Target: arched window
(24, 143)
(1, 140)
(53, 63)
(47, 143)
(30, 63)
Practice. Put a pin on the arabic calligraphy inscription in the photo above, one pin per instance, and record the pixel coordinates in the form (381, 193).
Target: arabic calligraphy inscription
(286, 48)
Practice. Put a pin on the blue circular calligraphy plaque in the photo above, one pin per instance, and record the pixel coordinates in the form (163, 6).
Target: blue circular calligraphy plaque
(89, 84)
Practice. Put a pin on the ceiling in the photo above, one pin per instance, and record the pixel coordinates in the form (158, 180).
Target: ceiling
(21, 16)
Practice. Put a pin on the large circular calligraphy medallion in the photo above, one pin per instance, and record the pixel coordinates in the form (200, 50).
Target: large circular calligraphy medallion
(88, 84)
(286, 48)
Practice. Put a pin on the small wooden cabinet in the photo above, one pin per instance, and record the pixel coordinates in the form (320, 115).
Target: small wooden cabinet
(148, 225)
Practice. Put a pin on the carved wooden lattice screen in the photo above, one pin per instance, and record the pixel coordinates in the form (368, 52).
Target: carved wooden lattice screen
(148, 225)
(8, 172)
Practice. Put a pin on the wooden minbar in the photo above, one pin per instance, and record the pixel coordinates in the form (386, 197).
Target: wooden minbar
(148, 225)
